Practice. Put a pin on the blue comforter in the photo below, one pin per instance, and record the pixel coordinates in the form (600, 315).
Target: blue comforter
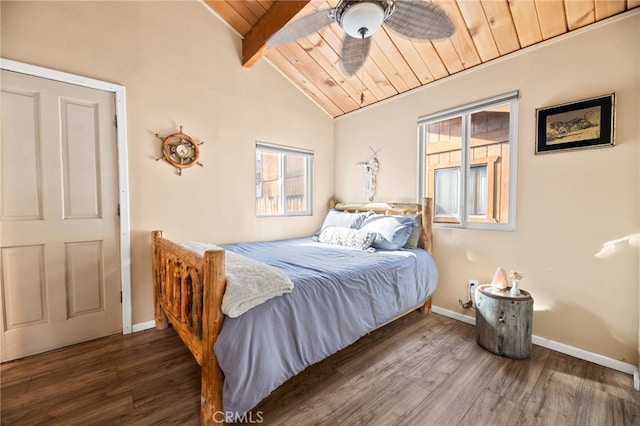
(339, 295)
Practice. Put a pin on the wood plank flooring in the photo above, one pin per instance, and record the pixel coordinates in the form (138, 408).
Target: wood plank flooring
(419, 370)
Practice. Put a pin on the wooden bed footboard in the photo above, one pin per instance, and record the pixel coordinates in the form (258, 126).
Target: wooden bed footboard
(188, 291)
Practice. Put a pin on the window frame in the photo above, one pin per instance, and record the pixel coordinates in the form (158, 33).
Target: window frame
(465, 112)
(282, 151)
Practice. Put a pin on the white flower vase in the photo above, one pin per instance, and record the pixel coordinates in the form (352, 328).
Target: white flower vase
(515, 291)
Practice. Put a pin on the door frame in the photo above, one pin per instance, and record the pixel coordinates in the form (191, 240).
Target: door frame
(123, 174)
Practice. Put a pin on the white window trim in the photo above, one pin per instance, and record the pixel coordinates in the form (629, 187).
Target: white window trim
(510, 97)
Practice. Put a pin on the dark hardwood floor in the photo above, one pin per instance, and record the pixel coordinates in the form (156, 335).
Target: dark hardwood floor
(419, 370)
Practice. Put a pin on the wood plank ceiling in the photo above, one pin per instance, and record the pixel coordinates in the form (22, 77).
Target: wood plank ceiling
(485, 30)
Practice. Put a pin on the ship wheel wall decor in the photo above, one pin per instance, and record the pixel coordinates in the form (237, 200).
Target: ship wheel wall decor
(180, 150)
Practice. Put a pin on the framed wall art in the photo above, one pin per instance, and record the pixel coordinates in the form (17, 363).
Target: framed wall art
(576, 125)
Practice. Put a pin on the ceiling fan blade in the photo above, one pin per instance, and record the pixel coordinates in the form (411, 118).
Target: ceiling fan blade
(301, 28)
(354, 53)
(418, 19)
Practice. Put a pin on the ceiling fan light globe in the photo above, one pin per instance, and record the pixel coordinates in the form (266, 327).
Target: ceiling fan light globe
(362, 17)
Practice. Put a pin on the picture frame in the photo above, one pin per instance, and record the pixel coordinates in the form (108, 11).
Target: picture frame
(588, 123)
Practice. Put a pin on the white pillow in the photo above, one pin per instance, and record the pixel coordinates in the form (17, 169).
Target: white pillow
(343, 219)
(392, 231)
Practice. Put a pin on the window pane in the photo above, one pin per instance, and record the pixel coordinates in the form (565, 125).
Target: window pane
(447, 195)
(478, 194)
(267, 182)
(443, 149)
(489, 142)
(295, 183)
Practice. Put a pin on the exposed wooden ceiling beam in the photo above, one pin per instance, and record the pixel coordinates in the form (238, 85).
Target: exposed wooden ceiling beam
(276, 17)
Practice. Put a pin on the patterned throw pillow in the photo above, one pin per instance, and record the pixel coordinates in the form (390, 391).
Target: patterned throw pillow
(347, 237)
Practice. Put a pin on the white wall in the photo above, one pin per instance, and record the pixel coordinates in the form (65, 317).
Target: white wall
(181, 66)
(569, 204)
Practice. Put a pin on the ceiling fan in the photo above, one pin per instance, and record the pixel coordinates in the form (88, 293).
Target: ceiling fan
(360, 19)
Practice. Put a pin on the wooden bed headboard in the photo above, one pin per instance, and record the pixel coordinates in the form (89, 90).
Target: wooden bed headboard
(401, 209)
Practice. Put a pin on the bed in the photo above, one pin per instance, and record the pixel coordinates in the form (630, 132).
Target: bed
(332, 304)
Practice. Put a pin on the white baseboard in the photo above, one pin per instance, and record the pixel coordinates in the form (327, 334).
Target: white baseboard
(636, 379)
(143, 326)
(455, 315)
(614, 364)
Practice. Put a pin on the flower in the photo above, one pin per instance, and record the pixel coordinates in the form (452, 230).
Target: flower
(515, 275)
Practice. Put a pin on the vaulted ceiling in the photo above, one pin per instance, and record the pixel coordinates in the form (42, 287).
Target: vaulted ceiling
(485, 30)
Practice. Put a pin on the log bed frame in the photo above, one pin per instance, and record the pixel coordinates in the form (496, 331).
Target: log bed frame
(188, 290)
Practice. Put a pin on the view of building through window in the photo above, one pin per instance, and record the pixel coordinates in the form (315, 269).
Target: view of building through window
(467, 164)
(283, 180)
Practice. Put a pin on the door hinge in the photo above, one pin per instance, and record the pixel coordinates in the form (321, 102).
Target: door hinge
(120, 297)
(115, 121)
(118, 210)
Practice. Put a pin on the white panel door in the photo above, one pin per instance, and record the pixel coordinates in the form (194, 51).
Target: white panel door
(59, 260)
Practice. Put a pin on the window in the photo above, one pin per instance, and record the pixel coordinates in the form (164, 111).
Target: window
(467, 163)
(283, 180)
